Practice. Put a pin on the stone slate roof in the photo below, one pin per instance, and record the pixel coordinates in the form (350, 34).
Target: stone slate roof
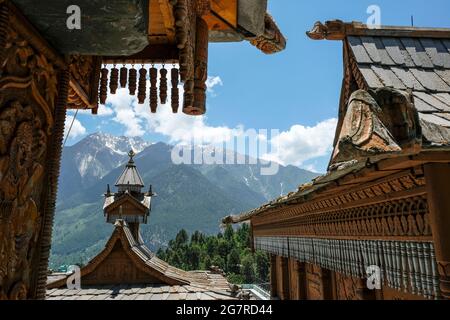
(137, 292)
(421, 65)
(130, 176)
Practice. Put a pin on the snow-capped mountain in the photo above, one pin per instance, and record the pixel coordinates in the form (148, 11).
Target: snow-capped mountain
(190, 197)
(93, 157)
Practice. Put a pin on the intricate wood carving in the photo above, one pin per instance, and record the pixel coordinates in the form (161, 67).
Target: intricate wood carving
(272, 41)
(114, 80)
(132, 81)
(142, 89)
(201, 70)
(123, 77)
(331, 30)
(361, 212)
(175, 95)
(382, 121)
(84, 82)
(163, 85)
(32, 114)
(104, 85)
(153, 89)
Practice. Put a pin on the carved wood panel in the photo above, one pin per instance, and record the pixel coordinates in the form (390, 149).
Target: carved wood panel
(28, 123)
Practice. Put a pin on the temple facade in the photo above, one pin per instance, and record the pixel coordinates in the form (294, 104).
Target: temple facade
(126, 269)
(55, 56)
(375, 226)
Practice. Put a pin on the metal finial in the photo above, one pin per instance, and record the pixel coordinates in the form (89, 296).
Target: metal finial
(131, 154)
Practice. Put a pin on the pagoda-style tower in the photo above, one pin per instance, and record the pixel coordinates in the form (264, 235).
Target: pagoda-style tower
(129, 204)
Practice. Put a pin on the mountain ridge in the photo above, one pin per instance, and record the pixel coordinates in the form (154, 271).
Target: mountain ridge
(190, 197)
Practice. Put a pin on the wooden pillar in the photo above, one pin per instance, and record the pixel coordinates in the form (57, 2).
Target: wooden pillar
(285, 288)
(273, 276)
(33, 93)
(301, 276)
(437, 177)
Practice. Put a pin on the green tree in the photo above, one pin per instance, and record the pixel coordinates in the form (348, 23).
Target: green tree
(229, 233)
(248, 269)
(234, 261)
(262, 266)
(181, 238)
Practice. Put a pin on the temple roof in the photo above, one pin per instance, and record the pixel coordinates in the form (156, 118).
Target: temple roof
(130, 176)
(421, 65)
(414, 62)
(158, 279)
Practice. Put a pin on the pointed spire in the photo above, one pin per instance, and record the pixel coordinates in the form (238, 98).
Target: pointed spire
(130, 178)
(150, 191)
(108, 190)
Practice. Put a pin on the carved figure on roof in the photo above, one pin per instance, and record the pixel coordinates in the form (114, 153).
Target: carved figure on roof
(377, 122)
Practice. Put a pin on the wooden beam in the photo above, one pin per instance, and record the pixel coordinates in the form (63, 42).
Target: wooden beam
(158, 53)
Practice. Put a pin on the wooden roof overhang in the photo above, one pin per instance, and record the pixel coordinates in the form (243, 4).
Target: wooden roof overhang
(150, 32)
(125, 198)
(352, 177)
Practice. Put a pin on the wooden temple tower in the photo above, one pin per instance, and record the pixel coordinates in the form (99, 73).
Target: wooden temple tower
(376, 226)
(48, 64)
(126, 269)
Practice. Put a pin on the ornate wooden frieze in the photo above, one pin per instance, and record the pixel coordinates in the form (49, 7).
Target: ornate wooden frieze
(399, 186)
(31, 117)
(405, 265)
(404, 218)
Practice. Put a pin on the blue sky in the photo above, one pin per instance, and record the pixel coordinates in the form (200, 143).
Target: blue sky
(296, 91)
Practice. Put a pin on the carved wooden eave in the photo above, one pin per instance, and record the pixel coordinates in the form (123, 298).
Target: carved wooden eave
(115, 202)
(350, 175)
(160, 31)
(339, 30)
(143, 267)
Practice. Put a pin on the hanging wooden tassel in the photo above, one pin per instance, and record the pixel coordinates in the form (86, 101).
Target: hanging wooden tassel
(153, 89)
(114, 80)
(175, 92)
(104, 85)
(123, 77)
(132, 81)
(142, 92)
(163, 85)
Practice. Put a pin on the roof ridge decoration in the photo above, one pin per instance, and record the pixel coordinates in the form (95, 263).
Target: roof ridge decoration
(272, 41)
(339, 30)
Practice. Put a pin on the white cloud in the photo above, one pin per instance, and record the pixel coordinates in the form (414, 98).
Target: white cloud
(295, 146)
(77, 128)
(301, 143)
(212, 82)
